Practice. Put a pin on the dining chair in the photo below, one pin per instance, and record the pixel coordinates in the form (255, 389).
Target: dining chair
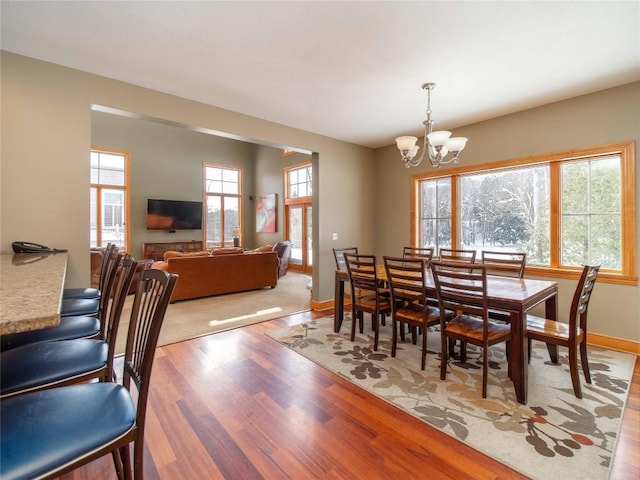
(505, 264)
(407, 279)
(418, 252)
(457, 255)
(70, 327)
(90, 292)
(572, 334)
(368, 293)
(48, 433)
(43, 365)
(463, 289)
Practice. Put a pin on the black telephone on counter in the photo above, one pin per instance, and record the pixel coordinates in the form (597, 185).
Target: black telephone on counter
(30, 247)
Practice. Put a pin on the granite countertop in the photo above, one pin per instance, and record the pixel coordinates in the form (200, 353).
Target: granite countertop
(31, 286)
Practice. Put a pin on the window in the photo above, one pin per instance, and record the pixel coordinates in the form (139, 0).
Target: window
(109, 197)
(223, 200)
(564, 209)
(299, 216)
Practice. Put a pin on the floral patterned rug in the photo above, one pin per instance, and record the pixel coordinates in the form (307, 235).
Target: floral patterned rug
(555, 435)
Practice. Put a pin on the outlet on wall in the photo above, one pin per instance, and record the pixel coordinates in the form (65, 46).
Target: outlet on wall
(334, 236)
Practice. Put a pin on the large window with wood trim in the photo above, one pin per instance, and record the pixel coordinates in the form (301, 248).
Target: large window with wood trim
(223, 205)
(109, 198)
(564, 210)
(299, 215)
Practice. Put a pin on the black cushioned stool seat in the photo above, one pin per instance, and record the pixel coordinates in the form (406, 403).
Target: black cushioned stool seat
(47, 362)
(79, 306)
(69, 328)
(40, 431)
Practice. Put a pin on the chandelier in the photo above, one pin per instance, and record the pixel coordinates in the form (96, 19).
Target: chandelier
(437, 145)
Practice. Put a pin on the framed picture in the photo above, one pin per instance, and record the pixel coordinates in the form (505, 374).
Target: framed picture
(266, 213)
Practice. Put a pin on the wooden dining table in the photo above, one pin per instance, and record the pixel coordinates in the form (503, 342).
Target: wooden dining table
(514, 296)
(31, 286)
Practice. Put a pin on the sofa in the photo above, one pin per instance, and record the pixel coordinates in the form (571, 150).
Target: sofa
(224, 270)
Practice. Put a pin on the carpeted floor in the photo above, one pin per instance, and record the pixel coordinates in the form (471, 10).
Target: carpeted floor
(555, 435)
(193, 318)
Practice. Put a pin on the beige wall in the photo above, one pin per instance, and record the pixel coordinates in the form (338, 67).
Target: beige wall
(46, 138)
(360, 195)
(604, 117)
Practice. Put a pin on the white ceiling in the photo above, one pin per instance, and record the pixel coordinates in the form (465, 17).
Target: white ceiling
(347, 70)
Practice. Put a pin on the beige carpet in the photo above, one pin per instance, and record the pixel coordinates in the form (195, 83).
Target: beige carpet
(193, 318)
(555, 435)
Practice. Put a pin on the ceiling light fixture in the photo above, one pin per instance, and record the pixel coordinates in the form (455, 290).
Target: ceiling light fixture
(436, 144)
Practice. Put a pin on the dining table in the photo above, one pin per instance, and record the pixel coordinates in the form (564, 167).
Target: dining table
(513, 296)
(31, 286)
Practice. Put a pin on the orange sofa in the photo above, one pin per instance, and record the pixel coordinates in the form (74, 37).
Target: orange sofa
(203, 274)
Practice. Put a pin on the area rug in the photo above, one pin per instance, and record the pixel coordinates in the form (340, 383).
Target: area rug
(193, 318)
(555, 435)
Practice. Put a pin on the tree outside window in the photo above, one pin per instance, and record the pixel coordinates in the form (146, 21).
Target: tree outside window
(564, 209)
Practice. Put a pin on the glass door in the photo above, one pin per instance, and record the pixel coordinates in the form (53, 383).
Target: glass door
(299, 220)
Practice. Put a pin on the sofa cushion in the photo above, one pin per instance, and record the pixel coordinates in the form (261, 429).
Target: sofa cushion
(160, 266)
(263, 248)
(227, 251)
(172, 253)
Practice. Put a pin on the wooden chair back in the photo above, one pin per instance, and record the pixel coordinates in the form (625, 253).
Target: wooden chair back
(418, 252)
(363, 274)
(581, 297)
(506, 264)
(108, 289)
(461, 288)
(457, 255)
(407, 279)
(120, 292)
(338, 254)
(104, 269)
(149, 307)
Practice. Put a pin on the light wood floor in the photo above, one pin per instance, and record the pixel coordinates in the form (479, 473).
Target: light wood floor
(236, 405)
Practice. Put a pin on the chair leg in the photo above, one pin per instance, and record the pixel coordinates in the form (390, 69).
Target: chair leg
(361, 321)
(125, 454)
(354, 319)
(585, 361)
(394, 336)
(443, 355)
(553, 352)
(529, 350)
(117, 463)
(463, 352)
(508, 355)
(414, 335)
(485, 369)
(424, 348)
(573, 368)
(376, 331)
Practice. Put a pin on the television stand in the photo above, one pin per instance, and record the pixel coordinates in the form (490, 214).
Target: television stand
(155, 250)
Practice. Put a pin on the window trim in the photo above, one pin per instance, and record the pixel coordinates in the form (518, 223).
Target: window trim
(626, 150)
(125, 188)
(239, 196)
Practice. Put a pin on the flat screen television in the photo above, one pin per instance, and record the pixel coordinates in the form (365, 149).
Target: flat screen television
(173, 215)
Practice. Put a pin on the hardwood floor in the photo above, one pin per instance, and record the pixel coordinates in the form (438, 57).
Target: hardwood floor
(237, 405)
